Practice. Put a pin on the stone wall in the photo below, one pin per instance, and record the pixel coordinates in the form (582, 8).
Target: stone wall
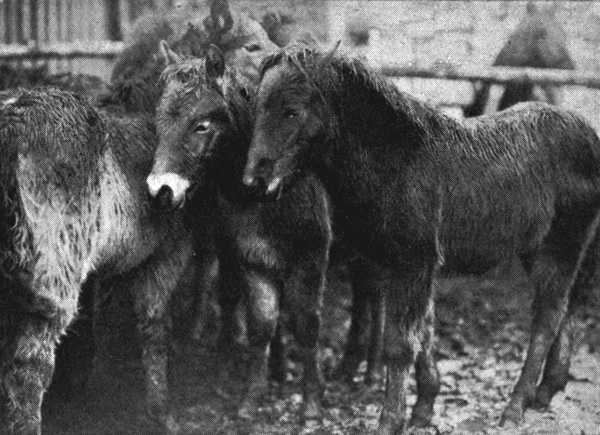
(464, 33)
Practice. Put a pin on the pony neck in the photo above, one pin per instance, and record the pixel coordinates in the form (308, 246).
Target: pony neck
(372, 113)
(232, 155)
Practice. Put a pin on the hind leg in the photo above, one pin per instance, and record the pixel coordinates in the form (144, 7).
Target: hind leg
(75, 354)
(553, 271)
(29, 332)
(262, 315)
(374, 356)
(426, 374)
(556, 371)
(277, 356)
(359, 321)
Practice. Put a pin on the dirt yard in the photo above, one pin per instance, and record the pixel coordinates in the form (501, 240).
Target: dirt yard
(483, 330)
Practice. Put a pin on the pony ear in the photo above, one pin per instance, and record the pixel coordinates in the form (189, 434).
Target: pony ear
(219, 21)
(168, 55)
(329, 55)
(215, 62)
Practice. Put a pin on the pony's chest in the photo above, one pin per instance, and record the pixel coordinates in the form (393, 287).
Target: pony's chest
(246, 228)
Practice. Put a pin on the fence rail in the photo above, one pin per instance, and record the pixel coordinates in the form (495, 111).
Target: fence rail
(496, 75)
(61, 50)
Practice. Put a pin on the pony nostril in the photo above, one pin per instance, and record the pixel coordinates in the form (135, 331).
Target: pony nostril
(249, 180)
(164, 198)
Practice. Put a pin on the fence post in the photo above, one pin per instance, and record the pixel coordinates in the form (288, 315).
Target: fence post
(33, 21)
(112, 10)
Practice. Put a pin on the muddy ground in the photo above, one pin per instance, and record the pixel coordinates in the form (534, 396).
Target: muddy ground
(483, 330)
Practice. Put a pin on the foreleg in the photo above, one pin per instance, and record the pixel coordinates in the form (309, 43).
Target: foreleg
(262, 315)
(153, 286)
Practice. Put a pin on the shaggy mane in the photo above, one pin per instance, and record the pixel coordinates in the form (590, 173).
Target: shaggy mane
(343, 81)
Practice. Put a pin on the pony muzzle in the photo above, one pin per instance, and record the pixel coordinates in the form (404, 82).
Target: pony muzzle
(176, 184)
(259, 175)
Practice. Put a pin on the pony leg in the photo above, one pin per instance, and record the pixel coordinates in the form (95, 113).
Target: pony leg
(263, 314)
(554, 272)
(304, 297)
(277, 356)
(427, 375)
(359, 321)
(556, 371)
(28, 337)
(229, 291)
(374, 357)
(229, 294)
(75, 354)
(153, 286)
(409, 299)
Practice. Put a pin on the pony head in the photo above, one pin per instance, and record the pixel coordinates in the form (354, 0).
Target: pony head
(292, 116)
(193, 118)
(189, 31)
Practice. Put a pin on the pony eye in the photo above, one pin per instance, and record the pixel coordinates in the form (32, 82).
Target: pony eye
(202, 127)
(290, 114)
(252, 47)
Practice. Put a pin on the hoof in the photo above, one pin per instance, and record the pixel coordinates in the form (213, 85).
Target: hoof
(374, 378)
(543, 397)
(312, 410)
(247, 410)
(421, 421)
(391, 425)
(344, 374)
(171, 426)
(512, 416)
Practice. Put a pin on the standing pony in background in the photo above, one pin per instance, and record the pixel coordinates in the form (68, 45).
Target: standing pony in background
(539, 41)
(74, 204)
(412, 186)
(189, 30)
(274, 255)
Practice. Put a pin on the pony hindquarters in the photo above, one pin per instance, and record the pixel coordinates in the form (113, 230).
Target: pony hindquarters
(42, 133)
(554, 270)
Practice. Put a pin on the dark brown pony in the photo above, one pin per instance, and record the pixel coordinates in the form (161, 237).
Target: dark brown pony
(274, 255)
(189, 30)
(413, 188)
(195, 90)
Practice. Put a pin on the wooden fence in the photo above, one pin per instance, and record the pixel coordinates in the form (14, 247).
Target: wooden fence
(79, 35)
(66, 33)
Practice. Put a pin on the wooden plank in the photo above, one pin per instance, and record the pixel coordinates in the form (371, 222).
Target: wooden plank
(19, 26)
(8, 21)
(62, 50)
(112, 12)
(69, 19)
(46, 19)
(497, 75)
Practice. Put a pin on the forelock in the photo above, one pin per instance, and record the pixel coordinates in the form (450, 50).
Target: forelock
(190, 71)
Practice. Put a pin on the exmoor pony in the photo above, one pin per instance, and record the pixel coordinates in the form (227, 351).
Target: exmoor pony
(74, 204)
(412, 187)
